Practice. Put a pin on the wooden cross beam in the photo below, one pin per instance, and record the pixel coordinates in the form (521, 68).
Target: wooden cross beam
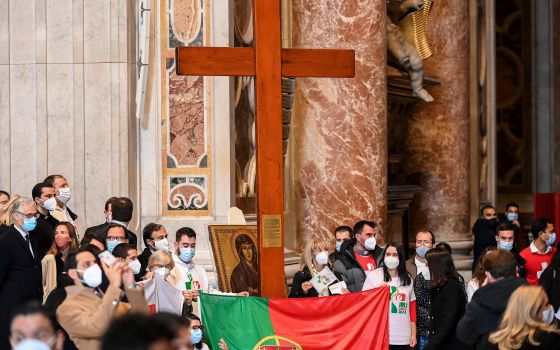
(267, 62)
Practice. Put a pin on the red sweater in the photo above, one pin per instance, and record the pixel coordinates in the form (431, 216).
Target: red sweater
(535, 262)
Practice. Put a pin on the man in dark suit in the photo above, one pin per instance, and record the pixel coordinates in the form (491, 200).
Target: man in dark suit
(20, 265)
(44, 196)
(63, 195)
(108, 216)
(155, 238)
(120, 212)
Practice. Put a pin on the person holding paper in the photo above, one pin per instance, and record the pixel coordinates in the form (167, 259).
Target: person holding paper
(402, 303)
(316, 276)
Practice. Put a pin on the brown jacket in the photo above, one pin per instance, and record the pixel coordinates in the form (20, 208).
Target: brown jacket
(86, 315)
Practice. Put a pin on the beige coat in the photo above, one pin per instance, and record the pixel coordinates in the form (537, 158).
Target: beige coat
(48, 265)
(85, 315)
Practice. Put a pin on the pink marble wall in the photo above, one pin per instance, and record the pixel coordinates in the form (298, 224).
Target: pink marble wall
(339, 125)
(437, 150)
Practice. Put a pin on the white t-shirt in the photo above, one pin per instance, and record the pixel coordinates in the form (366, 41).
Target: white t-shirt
(399, 305)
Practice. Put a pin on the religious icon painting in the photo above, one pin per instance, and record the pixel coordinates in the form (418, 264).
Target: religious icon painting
(235, 253)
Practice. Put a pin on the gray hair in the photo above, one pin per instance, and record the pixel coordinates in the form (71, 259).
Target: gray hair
(21, 202)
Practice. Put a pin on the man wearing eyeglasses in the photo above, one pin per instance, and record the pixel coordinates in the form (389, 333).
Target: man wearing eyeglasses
(20, 264)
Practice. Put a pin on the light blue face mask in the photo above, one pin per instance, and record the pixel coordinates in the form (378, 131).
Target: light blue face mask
(551, 239)
(505, 245)
(512, 216)
(338, 245)
(186, 254)
(112, 244)
(196, 336)
(29, 224)
(421, 251)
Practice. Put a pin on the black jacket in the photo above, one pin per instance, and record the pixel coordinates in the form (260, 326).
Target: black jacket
(44, 233)
(20, 277)
(548, 341)
(485, 310)
(484, 232)
(446, 309)
(143, 258)
(350, 269)
(550, 281)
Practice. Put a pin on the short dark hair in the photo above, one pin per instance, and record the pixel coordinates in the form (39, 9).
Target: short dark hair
(38, 189)
(122, 208)
(512, 204)
(50, 179)
(505, 226)
(88, 237)
(539, 226)
(72, 263)
(500, 263)
(359, 227)
(344, 228)
(121, 250)
(148, 230)
(5, 193)
(136, 331)
(184, 231)
(423, 230)
(110, 201)
(34, 307)
(441, 266)
(486, 206)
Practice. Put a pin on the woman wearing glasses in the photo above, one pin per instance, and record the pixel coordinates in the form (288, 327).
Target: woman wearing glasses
(196, 332)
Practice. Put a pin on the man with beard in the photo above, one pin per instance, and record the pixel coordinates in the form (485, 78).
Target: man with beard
(484, 231)
(244, 277)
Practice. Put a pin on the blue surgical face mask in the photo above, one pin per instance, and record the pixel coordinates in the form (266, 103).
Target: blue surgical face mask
(421, 251)
(551, 239)
(186, 254)
(505, 245)
(512, 216)
(29, 224)
(338, 245)
(196, 336)
(112, 244)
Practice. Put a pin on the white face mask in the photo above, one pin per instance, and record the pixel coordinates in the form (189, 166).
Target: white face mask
(64, 194)
(370, 243)
(162, 271)
(322, 258)
(162, 244)
(548, 315)
(135, 266)
(392, 262)
(35, 344)
(92, 276)
(50, 204)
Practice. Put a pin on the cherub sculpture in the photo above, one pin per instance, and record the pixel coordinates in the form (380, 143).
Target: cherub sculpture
(406, 55)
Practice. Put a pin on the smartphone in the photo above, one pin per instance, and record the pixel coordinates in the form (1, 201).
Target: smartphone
(107, 258)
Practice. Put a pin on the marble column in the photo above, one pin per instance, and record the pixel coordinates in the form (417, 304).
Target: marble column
(437, 156)
(556, 91)
(339, 125)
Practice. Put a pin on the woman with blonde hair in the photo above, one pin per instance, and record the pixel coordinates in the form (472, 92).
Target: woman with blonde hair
(314, 258)
(526, 323)
(65, 240)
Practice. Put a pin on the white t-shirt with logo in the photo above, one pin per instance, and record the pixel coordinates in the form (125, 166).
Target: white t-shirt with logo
(399, 305)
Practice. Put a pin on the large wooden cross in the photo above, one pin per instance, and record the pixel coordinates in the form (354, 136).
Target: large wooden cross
(267, 62)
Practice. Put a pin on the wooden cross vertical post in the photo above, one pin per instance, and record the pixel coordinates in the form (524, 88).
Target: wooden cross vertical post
(267, 62)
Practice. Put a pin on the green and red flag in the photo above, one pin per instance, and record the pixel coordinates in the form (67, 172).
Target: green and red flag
(351, 321)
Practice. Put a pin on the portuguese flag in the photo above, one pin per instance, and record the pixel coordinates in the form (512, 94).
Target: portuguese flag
(351, 321)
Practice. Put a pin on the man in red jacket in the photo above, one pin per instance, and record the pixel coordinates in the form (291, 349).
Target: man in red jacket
(539, 254)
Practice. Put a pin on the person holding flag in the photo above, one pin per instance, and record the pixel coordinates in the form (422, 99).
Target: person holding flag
(402, 303)
(315, 267)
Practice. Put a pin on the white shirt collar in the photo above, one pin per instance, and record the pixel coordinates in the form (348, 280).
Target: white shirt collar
(21, 232)
(181, 263)
(536, 250)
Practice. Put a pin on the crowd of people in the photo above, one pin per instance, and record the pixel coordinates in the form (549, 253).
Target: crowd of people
(61, 289)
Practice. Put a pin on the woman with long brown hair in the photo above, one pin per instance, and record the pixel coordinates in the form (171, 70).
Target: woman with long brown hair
(65, 240)
(526, 323)
(448, 301)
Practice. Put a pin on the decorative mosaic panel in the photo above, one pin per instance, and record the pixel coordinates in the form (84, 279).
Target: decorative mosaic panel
(186, 113)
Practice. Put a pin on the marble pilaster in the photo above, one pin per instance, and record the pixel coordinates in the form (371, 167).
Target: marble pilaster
(339, 125)
(438, 136)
